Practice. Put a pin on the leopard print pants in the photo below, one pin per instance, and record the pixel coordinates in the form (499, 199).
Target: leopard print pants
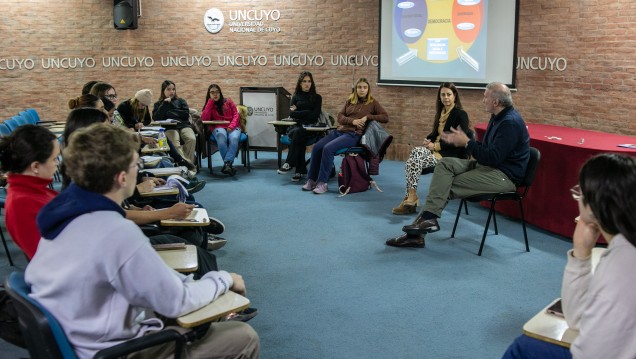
(419, 159)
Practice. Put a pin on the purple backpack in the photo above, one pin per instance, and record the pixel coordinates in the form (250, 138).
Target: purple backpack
(353, 176)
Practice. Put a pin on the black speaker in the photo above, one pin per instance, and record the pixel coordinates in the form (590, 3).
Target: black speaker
(125, 14)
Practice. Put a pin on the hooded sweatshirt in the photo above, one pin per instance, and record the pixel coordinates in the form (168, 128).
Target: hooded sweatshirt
(96, 272)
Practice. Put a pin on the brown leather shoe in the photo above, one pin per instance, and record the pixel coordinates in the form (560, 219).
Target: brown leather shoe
(406, 240)
(421, 226)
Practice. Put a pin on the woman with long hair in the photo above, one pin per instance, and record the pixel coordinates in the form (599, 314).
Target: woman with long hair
(360, 108)
(219, 108)
(171, 106)
(305, 109)
(134, 112)
(448, 113)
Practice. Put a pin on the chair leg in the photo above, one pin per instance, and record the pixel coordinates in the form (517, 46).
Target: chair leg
(483, 237)
(459, 211)
(209, 148)
(466, 207)
(6, 249)
(494, 217)
(247, 155)
(200, 150)
(523, 224)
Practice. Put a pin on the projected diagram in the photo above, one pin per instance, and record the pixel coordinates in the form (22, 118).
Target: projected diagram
(436, 32)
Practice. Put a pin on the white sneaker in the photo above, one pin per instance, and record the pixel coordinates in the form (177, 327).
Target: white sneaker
(216, 243)
(284, 169)
(310, 185)
(321, 187)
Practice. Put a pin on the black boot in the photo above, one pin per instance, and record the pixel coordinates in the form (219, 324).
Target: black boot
(225, 168)
(230, 169)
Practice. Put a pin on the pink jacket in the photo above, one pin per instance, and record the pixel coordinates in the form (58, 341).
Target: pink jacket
(230, 113)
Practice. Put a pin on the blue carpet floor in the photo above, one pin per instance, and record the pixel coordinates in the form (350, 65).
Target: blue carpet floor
(326, 286)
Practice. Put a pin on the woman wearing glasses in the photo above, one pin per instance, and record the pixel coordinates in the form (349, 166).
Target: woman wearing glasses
(103, 89)
(219, 108)
(601, 304)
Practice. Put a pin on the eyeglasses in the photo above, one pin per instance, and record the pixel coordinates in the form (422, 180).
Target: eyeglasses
(576, 192)
(214, 92)
(111, 97)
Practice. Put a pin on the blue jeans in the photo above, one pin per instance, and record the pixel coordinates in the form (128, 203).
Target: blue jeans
(324, 150)
(525, 347)
(227, 144)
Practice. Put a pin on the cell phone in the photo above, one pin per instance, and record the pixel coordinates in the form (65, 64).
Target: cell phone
(555, 309)
(168, 246)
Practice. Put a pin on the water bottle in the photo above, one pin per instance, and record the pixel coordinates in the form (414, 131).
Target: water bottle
(118, 121)
(162, 141)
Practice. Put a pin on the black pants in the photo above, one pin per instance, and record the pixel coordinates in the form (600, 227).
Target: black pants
(296, 154)
(207, 260)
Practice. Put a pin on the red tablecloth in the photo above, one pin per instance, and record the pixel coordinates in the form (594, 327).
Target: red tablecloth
(549, 204)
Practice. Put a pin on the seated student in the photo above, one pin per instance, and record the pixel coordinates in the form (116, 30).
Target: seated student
(171, 106)
(499, 162)
(30, 156)
(352, 119)
(86, 89)
(104, 89)
(134, 114)
(306, 106)
(599, 305)
(78, 118)
(219, 108)
(116, 282)
(449, 114)
(109, 107)
(86, 101)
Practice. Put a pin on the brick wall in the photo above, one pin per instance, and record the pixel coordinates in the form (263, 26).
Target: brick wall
(595, 38)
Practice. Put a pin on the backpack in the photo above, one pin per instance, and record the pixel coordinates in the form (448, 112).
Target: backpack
(353, 176)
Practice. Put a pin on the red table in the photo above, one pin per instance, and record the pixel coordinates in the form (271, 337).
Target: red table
(549, 204)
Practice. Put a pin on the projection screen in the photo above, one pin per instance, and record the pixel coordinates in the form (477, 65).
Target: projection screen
(468, 42)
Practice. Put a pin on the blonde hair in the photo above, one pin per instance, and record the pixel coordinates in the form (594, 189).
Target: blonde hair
(353, 98)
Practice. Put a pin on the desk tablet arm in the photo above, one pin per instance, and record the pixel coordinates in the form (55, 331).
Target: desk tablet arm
(147, 341)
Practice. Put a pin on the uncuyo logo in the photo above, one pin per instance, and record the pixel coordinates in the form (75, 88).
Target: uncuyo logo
(213, 20)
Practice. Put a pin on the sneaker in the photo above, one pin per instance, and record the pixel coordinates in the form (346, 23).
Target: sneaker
(310, 185)
(242, 316)
(191, 175)
(215, 243)
(195, 186)
(215, 226)
(321, 188)
(283, 170)
(297, 177)
(189, 165)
